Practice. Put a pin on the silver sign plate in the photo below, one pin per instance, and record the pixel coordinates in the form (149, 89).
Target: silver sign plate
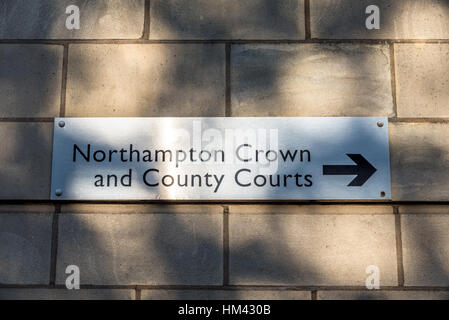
(221, 159)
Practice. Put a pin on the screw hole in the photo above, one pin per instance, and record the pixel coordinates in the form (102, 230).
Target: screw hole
(382, 194)
(61, 124)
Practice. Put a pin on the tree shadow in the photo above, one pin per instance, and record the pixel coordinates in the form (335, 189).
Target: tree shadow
(183, 253)
(405, 19)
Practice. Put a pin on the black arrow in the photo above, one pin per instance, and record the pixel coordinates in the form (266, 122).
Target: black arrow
(363, 169)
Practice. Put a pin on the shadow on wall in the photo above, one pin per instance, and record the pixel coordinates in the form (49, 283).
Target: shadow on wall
(171, 261)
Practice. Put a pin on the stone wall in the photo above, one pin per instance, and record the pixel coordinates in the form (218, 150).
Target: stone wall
(228, 58)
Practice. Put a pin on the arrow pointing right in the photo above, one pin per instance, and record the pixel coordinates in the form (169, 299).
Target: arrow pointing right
(363, 169)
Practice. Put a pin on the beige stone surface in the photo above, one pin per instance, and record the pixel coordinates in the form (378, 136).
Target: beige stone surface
(65, 294)
(382, 295)
(225, 295)
(146, 80)
(311, 249)
(310, 209)
(141, 208)
(399, 19)
(25, 246)
(30, 80)
(424, 209)
(151, 249)
(425, 241)
(422, 80)
(227, 19)
(311, 80)
(46, 19)
(419, 161)
(25, 160)
(27, 208)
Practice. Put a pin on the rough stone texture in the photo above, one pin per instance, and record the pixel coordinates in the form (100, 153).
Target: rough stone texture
(64, 294)
(383, 295)
(25, 245)
(399, 19)
(142, 249)
(419, 161)
(30, 80)
(422, 80)
(424, 209)
(175, 251)
(311, 80)
(136, 208)
(25, 160)
(225, 295)
(146, 80)
(310, 209)
(46, 19)
(227, 19)
(311, 250)
(425, 240)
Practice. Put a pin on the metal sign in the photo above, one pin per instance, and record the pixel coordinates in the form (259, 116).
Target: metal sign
(220, 159)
